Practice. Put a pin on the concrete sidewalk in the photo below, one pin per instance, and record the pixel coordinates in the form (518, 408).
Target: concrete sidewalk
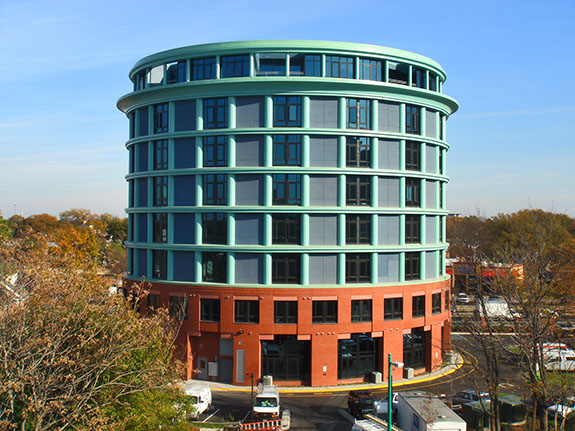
(456, 363)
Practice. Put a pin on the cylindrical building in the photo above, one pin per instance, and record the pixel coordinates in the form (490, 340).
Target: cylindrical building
(287, 204)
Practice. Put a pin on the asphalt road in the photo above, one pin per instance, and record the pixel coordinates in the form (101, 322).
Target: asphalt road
(319, 410)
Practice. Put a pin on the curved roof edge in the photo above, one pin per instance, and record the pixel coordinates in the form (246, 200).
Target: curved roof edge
(292, 44)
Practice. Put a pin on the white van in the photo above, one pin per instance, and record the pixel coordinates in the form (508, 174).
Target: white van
(201, 398)
(267, 402)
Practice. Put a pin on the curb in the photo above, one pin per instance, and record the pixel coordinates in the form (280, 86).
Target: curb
(450, 369)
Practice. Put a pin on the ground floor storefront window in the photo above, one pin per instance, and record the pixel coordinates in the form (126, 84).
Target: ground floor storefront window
(414, 348)
(357, 356)
(286, 358)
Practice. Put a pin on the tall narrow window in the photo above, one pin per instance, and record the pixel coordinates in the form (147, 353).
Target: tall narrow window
(286, 189)
(418, 306)
(287, 150)
(287, 111)
(436, 303)
(358, 152)
(161, 117)
(285, 312)
(370, 69)
(160, 264)
(209, 310)
(432, 81)
(358, 190)
(204, 68)
(412, 192)
(176, 72)
(179, 307)
(216, 113)
(361, 310)
(339, 67)
(215, 189)
(161, 154)
(160, 191)
(358, 114)
(286, 229)
(357, 268)
(324, 312)
(392, 308)
(234, 66)
(214, 228)
(286, 268)
(215, 266)
(412, 265)
(418, 77)
(160, 227)
(358, 229)
(412, 156)
(412, 120)
(412, 229)
(215, 149)
(154, 302)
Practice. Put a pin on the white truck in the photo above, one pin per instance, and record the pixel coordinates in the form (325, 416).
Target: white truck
(558, 357)
(201, 398)
(494, 308)
(266, 402)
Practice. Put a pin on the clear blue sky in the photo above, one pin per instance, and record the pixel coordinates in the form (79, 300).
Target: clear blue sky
(64, 64)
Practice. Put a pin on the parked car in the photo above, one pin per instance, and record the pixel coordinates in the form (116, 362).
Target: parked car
(381, 406)
(360, 403)
(465, 397)
(563, 408)
(462, 298)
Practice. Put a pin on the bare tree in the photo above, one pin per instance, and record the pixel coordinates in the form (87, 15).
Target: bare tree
(72, 354)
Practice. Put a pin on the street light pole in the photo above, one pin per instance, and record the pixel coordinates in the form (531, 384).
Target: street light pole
(389, 394)
(390, 390)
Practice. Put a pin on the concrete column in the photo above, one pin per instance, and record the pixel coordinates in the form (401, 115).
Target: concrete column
(374, 191)
(232, 112)
(422, 267)
(231, 229)
(374, 115)
(341, 113)
(198, 228)
(269, 112)
(268, 190)
(267, 269)
(402, 229)
(341, 230)
(268, 151)
(341, 183)
(402, 118)
(341, 268)
(305, 230)
(231, 268)
(305, 190)
(305, 112)
(231, 190)
(199, 269)
(374, 153)
(402, 266)
(305, 269)
(374, 230)
(232, 151)
(305, 151)
(267, 230)
(199, 114)
(374, 268)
